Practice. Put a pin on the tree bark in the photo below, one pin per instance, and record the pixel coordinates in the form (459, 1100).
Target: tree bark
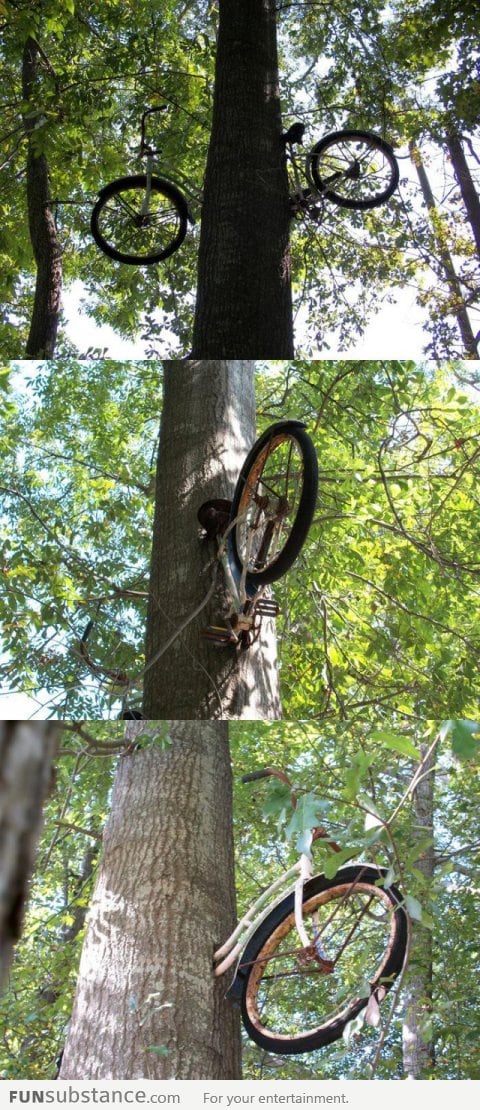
(43, 235)
(418, 1048)
(208, 425)
(243, 304)
(26, 758)
(466, 185)
(164, 899)
(458, 304)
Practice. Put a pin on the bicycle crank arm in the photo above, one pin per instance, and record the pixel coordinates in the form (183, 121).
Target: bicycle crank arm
(220, 635)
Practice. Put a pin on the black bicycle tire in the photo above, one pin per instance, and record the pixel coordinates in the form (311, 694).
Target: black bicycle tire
(374, 140)
(333, 1029)
(136, 181)
(306, 508)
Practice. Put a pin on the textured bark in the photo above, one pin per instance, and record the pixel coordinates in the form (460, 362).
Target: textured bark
(164, 899)
(418, 1049)
(208, 425)
(43, 235)
(26, 756)
(243, 297)
(467, 187)
(458, 303)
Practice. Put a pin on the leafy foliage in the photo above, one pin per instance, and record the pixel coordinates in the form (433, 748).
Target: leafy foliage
(378, 615)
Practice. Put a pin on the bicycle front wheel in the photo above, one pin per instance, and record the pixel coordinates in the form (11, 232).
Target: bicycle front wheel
(354, 169)
(139, 230)
(274, 502)
(296, 999)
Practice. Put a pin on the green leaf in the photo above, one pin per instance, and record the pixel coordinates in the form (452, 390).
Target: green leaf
(465, 738)
(332, 863)
(396, 742)
(413, 907)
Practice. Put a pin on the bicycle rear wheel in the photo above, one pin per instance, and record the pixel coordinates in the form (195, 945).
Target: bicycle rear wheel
(354, 169)
(294, 999)
(274, 501)
(124, 231)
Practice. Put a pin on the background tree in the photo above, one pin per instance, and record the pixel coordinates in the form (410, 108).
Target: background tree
(378, 613)
(26, 758)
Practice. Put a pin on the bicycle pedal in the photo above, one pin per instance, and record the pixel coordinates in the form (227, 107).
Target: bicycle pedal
(219, 635)
(265, 607)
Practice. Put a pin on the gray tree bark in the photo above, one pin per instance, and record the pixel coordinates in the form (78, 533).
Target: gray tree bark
(459, 308)
(42, 336)
(418, 1048)
(163, 901)
(208, 425)
(244, 304)
(467, 185)
(27, 751)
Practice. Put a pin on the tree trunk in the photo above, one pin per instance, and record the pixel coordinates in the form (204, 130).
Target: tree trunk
(466, 185)
(43, 235)
(208, 425)
(26, 757)
(243, 297)
(418, 1049)
(147, 1004)
(453, 284)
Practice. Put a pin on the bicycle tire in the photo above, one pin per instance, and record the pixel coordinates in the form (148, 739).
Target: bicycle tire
(283, 432)
(387, 171)
(279, 925)
(171, 220)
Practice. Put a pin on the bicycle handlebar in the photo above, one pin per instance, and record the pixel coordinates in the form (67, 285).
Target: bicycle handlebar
(144, 146)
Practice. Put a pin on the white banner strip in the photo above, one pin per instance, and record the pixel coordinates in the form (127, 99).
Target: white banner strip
(217, 1095)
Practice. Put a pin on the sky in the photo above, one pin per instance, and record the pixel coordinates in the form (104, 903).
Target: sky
(395, 332)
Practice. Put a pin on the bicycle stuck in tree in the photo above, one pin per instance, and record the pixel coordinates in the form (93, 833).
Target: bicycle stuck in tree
(319, 957)
(261, 532)
(143, 219)
(353, 169)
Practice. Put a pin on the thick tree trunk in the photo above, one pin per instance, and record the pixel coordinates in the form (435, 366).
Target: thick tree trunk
(147, 1004)
(43, 235)
(243, 297)
(208, 425)
(26, 757)
(456, 296)
(467, 187)
(418, 1049)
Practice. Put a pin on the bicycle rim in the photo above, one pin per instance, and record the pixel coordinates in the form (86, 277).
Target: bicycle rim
(269, 503)
(133, 236)
(355, 170)
(294, 1002)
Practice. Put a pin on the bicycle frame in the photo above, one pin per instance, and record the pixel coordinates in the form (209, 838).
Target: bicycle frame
(232, 949)
(148, 152)
(247, 600)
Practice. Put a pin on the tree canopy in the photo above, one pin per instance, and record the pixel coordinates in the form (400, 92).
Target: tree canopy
(406, 70)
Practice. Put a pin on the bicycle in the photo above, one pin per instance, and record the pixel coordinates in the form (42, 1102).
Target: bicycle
(306, 953)
(263, 529)
(143, 218)
(354, 169)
